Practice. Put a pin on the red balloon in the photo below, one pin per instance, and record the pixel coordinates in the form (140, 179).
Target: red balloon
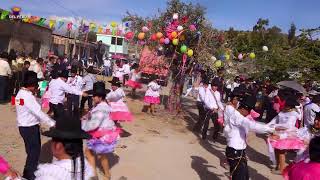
(161, 41)
(170, 36)
(129, 35)
(154, 37)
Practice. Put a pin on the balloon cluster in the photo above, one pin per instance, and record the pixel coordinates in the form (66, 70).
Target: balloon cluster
(175, 35)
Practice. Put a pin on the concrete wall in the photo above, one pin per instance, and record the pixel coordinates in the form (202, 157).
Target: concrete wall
(25, 37)
(106, 39)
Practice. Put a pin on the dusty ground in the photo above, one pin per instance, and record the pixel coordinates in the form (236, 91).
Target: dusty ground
(160, 147)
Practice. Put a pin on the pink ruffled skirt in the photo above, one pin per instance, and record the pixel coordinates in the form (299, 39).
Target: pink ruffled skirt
(134, 84)
(103, 141)
(287, 144)
(120, 112)
(151, 100)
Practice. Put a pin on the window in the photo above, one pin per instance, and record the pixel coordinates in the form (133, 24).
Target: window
(119, 41)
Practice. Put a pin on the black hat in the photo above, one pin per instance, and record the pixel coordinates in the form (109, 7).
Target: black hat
(99, 89)
(30, 79)
(135, 66)
(115, 81)
(248, 102)
(291, 102)
(314, 149)
(64, 74)
(68, 128)
(74, 69)
(90, 69)
(236, 93)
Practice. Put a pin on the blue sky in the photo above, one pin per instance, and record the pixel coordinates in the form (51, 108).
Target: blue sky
(240, 14)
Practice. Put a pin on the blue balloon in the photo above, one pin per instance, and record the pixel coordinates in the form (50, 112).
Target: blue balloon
(127, 24)
(222, 57)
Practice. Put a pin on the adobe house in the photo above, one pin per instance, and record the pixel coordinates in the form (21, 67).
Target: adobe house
(25, 37)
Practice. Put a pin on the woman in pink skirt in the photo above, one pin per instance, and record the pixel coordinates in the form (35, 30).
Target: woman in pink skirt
(152, 95)
(285, 137)
(135, 75)
(120, 111)
(306, 170)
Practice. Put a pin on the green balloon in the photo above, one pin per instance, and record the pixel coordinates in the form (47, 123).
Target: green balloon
(183, 49)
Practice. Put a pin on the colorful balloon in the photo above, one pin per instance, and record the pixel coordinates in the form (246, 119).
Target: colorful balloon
(183, 49)
(175, 42)
(166, 40)
(218, 64)
(145, 29)
(113, 24)
(159, 35)
(179, 28)
(240, 56)
(192, 27)
(252, 55)
(227, 56)
(129, 35)
(213, 58)
(265, 48)
(153, 37)
(175, 16)
(161, 41)
(174, 34)
(190, 52)
(182, 37)
(141, 36)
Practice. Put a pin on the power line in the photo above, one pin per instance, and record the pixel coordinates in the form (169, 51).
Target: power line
(56, 2)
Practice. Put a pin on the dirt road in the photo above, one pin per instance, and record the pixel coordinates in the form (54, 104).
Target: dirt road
(159, 147)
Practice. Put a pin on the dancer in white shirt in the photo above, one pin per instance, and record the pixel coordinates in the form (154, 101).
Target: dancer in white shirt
(310, 109)
(103, 130)
(57, 89)
(73, 100)
(29, 117)
(236, 130)
(67, 148)
(135, 76)
(152, 96)
(212, 105)
(200, 104)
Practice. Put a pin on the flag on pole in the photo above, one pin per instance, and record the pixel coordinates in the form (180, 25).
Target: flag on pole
(41, 21)
(61, 23)
(52, 23)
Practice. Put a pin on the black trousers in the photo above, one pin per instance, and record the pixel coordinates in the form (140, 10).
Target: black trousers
(32, 142)
(4, 82)
(199, 124)
(238, 164)
(58, 110)
(73, 104)
(125, 78)
(209, 114)
(83, 101)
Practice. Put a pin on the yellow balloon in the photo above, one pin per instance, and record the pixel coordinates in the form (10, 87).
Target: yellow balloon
(252, 55)
(175, 42)
(113, 24)
(227, 57)
(190, 52)
(174, 34)
(217, 63)
(159, 35)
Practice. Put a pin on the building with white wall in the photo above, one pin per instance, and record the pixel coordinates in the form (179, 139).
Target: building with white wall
(117, 43)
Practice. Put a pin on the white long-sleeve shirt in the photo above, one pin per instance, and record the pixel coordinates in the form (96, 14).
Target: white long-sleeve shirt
(212, 100)
(5, 69)
(57, 90)
(76, 82)
(88, 81)
(153, 89)
(309, 114)
(237, 127)
(126, 68)
(201, 93)
(286, 119)
(63, 170)
(116, 96)
(30, 113)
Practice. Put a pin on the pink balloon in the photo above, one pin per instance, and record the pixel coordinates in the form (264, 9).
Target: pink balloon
(192, 27)
(240, 56)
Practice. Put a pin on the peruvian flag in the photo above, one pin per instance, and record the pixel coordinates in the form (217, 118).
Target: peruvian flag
(15, 101)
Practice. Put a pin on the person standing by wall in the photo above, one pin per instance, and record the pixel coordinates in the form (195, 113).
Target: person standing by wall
(5, 72)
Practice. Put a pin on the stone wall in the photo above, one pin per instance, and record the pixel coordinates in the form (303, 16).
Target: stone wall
(25, 37)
